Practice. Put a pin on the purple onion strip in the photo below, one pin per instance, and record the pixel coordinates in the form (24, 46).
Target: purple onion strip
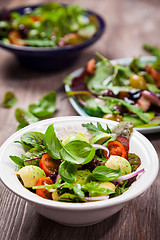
(128, 176)
(97, 198)
(101, 147)
(58, 176)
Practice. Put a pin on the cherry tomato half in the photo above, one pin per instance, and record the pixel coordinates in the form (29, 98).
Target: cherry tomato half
(48, 164)
(44, 193)
(116, 148)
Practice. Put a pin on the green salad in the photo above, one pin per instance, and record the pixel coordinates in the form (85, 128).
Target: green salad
(80, 167)
(119, 92)
(48, 25)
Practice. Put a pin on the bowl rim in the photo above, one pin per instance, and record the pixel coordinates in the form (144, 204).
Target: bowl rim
(97, 35)
(35, 199)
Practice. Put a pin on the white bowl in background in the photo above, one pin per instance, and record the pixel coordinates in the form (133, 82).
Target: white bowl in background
(77, 214)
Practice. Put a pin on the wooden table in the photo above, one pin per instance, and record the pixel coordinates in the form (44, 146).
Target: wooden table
(130, 24)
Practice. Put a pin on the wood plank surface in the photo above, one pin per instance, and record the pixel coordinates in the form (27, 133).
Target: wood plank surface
(129, 24)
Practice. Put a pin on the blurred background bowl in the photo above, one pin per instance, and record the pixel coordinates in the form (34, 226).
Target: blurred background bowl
(49, 58)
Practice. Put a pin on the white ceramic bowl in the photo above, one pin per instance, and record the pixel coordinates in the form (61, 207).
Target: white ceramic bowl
(77, 214)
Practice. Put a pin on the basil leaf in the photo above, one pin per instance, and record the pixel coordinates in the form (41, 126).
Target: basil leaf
(24, 117)
(52, 143)
(17, 160)
(45, 107)
(9, 100)
(33, 139)
(96, 130)
(33, 156)
(68, 171)
(105, 174)
(79, 152)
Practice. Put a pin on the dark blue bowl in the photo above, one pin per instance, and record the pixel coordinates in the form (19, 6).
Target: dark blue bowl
(48, 58)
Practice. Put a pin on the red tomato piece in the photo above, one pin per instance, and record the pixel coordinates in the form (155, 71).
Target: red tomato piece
(35, 18)
(116, 148)
(48, 164)
(44, 193)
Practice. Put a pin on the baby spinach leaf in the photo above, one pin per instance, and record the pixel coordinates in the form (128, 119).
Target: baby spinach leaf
(17, 160)
(68, 172)
(9, 100)
(24, 117)
(33, 139)
(52, 143)
(45, 107)
(33, 156)
(104, 174)
(96, 129)
(79, 152)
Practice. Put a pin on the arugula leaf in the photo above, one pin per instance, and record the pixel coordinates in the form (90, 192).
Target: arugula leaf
(95, 83)
(17, 160)
(152, 49)
(156, 64)
(93, 189)
(136, 121)
(136, 65)
(77, 190)
(121, 189)
(104, 174)
(24, 117)
(45, 107)
(96, 129)
(68, 197)
(138, 111)
(33, 139)
(33, 156)
(68, 172)
(52, 143)
(9, 100)
(79, 152)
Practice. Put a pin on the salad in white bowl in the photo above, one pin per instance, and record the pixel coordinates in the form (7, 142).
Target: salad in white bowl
(89, 175)
(78, 168)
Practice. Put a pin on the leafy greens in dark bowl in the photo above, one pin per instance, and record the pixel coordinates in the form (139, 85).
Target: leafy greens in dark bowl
(49, 36)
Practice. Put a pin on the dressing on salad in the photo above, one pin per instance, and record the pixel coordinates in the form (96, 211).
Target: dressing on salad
(78, 168)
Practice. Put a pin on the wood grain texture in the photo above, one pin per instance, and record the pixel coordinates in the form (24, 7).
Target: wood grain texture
(130, 24)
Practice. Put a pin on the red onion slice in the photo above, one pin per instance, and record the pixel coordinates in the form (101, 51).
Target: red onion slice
(97, 198)
(98, 146)
(151, 97)
(58, 176)
(128, 176)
